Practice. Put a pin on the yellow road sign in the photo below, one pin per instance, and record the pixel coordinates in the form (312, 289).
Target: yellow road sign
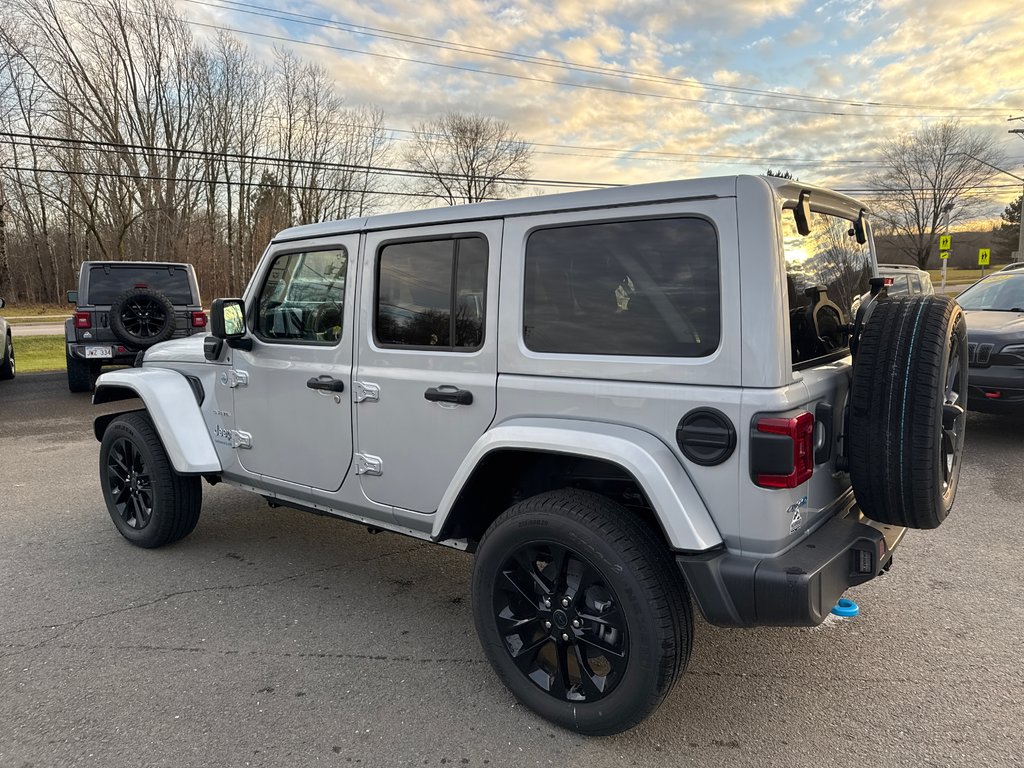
(944, 242)
(943, 254)
(983, 255)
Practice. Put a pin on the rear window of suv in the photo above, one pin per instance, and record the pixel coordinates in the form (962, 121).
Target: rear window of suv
(647, 287)
(107, 283)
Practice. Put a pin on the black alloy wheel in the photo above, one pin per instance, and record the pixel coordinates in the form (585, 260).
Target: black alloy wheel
(954, 416)
(581, 610)
(561, 622)
(143, 317)
(130, 487)
(149, 503)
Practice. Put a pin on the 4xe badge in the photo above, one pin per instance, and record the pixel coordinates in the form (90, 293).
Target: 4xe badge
(796, 519)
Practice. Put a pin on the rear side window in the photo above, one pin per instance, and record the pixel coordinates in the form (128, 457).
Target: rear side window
(430, 294)
(107, 283)
(829, 257)
(648, 287)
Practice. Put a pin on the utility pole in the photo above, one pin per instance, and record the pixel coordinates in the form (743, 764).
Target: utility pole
(945, 214)
(1020, 239)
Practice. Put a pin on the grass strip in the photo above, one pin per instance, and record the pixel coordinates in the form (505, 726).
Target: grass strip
(35, 354)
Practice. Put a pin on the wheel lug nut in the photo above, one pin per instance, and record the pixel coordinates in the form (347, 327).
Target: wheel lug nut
(576, 623)
(565, 602)
(565, 637)
(547, 602)
(547, 625)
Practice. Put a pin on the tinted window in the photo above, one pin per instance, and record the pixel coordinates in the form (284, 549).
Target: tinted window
(106, 284)
(303, 298)
(624, 288)
(430, 293)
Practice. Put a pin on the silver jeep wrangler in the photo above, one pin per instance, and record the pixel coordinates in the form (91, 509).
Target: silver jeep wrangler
(620, 401)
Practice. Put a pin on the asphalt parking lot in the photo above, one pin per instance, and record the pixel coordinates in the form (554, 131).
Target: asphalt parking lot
(274, 638)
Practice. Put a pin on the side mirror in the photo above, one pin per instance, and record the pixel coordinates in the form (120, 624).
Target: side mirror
(2, 303)
(227, 318)
(72, 297)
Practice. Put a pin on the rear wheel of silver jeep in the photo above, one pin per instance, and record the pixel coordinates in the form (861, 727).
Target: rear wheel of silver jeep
(580, 610)
(151, 504)
(908, 411)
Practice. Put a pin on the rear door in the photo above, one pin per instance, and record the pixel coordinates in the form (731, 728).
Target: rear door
(292, 390)
(427, 358)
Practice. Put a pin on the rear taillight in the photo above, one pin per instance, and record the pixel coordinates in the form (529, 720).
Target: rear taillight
(198, 319)
(782, 451)
(83, 320)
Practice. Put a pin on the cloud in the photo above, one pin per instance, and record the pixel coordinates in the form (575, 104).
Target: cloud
(898, 52)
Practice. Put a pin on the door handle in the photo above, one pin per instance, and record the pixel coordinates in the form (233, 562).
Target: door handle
(446, 393)
(326, 383)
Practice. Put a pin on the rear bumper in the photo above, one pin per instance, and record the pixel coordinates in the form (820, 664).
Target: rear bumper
(77, 350)
(798, 587)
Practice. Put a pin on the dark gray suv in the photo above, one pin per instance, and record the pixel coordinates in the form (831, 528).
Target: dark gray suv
(124, 307)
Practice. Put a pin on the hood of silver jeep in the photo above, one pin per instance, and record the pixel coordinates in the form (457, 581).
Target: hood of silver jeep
(187, 350)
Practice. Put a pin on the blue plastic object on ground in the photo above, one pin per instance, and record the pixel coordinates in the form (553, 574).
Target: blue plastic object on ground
(846, 607)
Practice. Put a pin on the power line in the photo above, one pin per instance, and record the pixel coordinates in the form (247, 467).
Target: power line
(476, 50)
(527, 78)
(219, 182)
(116, 147)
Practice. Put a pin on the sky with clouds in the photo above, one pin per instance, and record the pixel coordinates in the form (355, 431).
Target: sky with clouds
(623, 91)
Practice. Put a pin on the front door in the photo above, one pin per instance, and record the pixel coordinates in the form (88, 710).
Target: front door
(293, 414)
(427, 358)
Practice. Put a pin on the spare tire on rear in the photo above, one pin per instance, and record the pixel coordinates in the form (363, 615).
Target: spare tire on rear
(142, 317)
(908, 411)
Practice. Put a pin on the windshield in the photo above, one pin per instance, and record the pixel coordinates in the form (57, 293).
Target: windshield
(1003, 291)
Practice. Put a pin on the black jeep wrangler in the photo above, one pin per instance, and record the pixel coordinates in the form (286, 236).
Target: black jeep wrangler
(124, 307)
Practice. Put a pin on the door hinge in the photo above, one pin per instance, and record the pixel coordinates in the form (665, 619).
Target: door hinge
(368, 465)
(364, 390)
(240, 439)
(233, 378)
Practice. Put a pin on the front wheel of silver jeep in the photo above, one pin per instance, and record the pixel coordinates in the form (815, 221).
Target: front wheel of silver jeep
(150, 504)
(580, 611)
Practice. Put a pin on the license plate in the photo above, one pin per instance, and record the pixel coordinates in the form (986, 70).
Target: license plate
(98, 352)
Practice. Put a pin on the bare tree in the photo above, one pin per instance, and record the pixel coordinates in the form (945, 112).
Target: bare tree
(941, 166)
(468, 158)
(123, 137)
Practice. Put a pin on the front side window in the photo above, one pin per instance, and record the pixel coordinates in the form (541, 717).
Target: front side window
(647, 287)
(430, 294)
(303, 298)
